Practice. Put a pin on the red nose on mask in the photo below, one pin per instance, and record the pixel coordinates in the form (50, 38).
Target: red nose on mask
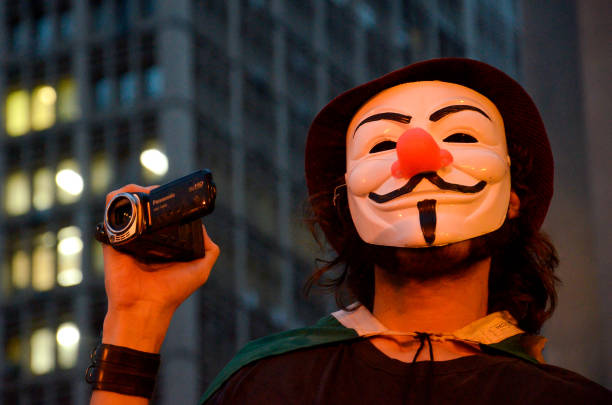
(418, 152)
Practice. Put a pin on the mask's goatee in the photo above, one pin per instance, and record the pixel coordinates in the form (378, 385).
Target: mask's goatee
(427, 216)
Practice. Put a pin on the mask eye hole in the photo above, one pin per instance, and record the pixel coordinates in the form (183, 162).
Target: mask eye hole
(382, 146)
(460, 138)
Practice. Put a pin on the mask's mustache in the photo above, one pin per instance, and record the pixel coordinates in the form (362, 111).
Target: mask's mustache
(434, 179)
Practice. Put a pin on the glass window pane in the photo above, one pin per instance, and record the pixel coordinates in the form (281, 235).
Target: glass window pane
(69, 182)
(43, 262)
(102, 90)
(100, 174)
(97, 257)
(67, 337)
(67, 103)
(69, 250)
(43, 35)
(20, 269)
(43, 189)
(19, 37)
(42, 351)
(17, 193)
(153, 81)
(17, 112)
(43, 107)
(127, 88)
(66, 25)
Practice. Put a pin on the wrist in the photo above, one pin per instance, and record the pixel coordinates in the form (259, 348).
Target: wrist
(141, 329)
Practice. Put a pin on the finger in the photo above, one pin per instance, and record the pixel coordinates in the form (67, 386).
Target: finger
(209, 245)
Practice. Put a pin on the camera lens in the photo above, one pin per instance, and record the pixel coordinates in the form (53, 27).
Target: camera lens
(119, 214)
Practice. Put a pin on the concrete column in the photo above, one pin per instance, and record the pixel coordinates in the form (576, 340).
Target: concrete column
(180, 368)
(238, 172)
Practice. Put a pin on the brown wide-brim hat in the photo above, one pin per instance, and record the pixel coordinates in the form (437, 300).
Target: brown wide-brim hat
(326, 144)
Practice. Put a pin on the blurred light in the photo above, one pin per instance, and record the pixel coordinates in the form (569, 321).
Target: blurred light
(69, 250)
(69, 181)
(68, 337)
(70, 245)
(155, 161)
(20, 269)
(43, 262)
(17, 194)
(43, 189)
(43, 107)
(42, 351)
(17, 112)
(69, 277)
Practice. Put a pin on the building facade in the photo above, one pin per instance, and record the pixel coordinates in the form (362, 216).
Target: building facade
(100, 93)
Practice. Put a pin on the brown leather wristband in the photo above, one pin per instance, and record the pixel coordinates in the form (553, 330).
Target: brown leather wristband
(123, 370)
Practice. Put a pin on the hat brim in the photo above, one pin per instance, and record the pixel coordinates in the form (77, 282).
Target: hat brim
(325, 157)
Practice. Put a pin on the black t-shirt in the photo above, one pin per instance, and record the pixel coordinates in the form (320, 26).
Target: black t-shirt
(356, 372)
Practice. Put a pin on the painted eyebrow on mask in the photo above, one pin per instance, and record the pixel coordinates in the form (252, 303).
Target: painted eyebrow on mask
(443, 112)
(404, 119)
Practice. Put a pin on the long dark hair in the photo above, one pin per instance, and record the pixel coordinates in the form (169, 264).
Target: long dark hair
(522, 278)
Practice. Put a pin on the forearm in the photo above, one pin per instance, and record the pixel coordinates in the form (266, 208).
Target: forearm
(144, 330)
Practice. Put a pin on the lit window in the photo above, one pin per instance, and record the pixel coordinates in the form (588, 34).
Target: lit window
(100, 174)
(43, 107)
(67, 100)
(42, 351)
(20, 269)
(97, 257)
(42, 189)
(17, 112)
(67, 337)
(154, 161)
(127, 88)
(17, 193)
(43, 36)
(102, 92)
(43, 262)
(13, 350)
(153, 81)
(69, 182)
(69, 249)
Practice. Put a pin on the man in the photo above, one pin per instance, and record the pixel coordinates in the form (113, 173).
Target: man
(431, 183)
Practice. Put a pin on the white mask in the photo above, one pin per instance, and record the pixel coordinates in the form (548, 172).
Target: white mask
(446, 129)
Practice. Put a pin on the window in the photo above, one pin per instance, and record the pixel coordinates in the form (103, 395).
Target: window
(67, 100)
(19, 37)
(43, 36)
(102, 93)
(127, 88)
(66, 24)
(69, 249)
(17, 112)
(43, 262)
(42, 189)
(43, 107)
(17, 193)
(100, 174)
(69, 182)
(20, 269)
(153, 81)
(67, 337)
(42, 351)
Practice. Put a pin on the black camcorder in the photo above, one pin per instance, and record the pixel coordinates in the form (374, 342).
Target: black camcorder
(163, 225)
